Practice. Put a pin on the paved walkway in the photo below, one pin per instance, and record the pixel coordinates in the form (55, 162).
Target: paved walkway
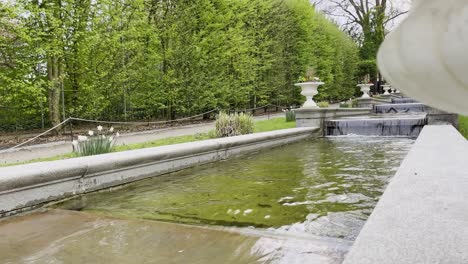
(61, 148)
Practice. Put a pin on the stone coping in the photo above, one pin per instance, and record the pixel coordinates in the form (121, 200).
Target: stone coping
(330, 112)
(334, 110)
(422, 217)
(32, 184)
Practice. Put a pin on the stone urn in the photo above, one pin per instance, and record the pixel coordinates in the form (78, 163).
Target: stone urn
(365, 89)
(387, 88)
(309, 90)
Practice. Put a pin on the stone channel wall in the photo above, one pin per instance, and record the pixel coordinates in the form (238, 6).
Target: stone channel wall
(422, 216)
(317, 117)
(27, 186)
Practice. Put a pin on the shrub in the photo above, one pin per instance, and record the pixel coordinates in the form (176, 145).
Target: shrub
(323, 104)
(351, 103)
(233, 125)
(95, 143)
(345, 105)
(290, 115)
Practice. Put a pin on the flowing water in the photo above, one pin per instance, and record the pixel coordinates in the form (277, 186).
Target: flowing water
(381, 125)
(403, 101)
(399, 108)
(301, 203)
(337, 179)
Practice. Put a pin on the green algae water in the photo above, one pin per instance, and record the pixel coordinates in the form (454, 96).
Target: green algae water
(325, 187)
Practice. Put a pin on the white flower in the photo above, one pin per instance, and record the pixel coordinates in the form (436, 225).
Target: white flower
(267, 216)
(82, 138)
(90, 132)
(75, 143)
(103, 137)
(317, 79)
(117, 134)
(111, 138)
(111, 129)
(99, 128)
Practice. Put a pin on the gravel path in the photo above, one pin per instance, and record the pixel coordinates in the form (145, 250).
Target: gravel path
(61, 148)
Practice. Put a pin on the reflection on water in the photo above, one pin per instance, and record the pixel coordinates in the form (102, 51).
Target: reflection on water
(324, 187)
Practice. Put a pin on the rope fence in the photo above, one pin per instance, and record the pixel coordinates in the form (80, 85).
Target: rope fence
(40, 135)
(71, 119)
(141, 123)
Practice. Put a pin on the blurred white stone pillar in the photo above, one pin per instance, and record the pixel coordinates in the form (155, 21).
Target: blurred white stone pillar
(426, 57)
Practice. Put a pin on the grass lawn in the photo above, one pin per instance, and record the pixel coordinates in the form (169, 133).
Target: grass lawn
(260, 126)
(463, 126)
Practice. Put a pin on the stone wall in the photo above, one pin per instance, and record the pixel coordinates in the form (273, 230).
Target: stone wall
(317, 117)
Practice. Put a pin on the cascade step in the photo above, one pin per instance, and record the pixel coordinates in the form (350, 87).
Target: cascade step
(403, 100)
(399, 108)
(381, 125)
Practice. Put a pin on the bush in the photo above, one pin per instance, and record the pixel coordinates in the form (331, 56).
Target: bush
(290, 115)
(349, 104)
(95, 144)
(345, 105)
(323, 104)
(233, 125)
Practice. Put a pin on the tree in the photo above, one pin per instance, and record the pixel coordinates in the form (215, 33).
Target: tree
(163, 59)
(367, 21)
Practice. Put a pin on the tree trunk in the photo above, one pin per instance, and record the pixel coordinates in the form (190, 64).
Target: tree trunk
(54, 77)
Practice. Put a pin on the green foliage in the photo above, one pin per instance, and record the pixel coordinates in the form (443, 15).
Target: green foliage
(272, 125)
(148, 60)
(233, 125)
(368, 67)
(345, 105)
(373, 27)
(323, 104)
(349, 104)
(290, 116)
(463, 126)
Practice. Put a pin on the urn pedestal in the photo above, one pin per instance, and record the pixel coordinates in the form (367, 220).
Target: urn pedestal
(365, 89)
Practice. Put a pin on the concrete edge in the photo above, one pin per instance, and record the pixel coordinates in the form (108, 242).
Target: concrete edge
(422, 216)
(32, 184)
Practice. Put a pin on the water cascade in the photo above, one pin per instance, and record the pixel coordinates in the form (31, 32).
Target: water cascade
(403, 118)
(403, 101)
(399, 108)
(403, 126)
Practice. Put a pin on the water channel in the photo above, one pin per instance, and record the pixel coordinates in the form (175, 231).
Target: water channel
(301, 203)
